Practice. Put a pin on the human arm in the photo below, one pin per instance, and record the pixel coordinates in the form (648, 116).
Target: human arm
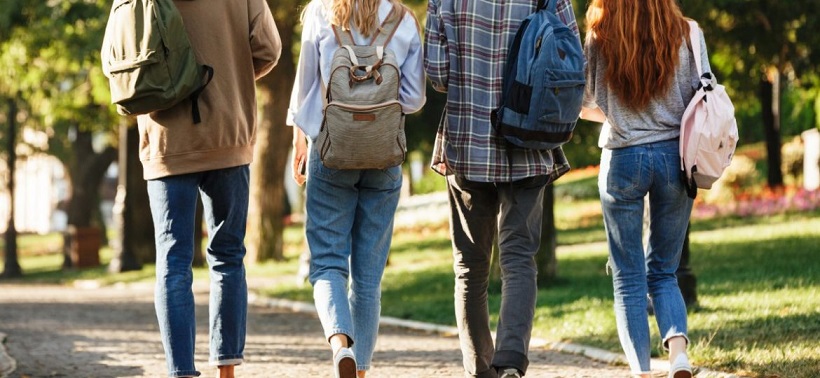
(593, 114)
(590, 110)
(412, 93)
(266, 46)
(436, 52)
(306, 100)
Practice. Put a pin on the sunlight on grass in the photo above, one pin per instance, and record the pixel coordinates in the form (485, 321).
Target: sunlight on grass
(757, 285)
(760, 331)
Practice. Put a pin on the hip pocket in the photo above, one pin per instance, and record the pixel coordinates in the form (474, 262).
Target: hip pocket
(624, 174)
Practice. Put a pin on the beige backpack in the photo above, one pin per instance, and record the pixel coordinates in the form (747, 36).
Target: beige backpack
(363, 125)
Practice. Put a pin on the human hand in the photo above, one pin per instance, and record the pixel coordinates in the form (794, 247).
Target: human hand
(441, 168)
(299, 166)
(299, 163)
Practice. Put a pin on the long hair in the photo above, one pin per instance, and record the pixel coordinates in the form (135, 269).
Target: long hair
(639, 41)
(363, 13)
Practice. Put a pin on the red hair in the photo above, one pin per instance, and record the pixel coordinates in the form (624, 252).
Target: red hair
(639, 40)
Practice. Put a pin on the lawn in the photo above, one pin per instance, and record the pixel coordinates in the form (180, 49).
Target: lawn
(758, 311)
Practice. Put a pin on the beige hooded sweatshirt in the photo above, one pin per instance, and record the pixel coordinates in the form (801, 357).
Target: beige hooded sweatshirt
(239, 39)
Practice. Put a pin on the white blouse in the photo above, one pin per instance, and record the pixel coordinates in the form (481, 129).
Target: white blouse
(318, 46)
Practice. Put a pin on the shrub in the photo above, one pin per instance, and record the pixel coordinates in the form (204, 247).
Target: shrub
(792, 165)
(740, 177)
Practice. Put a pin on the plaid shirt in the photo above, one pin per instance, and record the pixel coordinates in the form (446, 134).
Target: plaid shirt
(465, 50)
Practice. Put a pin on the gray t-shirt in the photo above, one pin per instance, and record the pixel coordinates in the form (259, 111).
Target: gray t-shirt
(660, 120)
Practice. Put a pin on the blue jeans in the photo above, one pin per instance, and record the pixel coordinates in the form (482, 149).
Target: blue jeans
(627, 176)
(349, 229)
(173, 207)
(480, 211)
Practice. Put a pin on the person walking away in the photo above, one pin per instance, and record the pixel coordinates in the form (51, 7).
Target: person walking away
(349, 211)
(490, 196)
(641, 74)
(183, 161)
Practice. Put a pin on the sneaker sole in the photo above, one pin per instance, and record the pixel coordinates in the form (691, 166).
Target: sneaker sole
(347, 368)
(682, 374)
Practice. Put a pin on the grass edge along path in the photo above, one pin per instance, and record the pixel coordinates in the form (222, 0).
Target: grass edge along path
(757, 312)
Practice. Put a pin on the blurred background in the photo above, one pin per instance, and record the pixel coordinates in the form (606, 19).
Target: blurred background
(73, 166)
(73, 202)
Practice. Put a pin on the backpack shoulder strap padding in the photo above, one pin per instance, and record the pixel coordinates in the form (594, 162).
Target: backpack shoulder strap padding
(389, 26)
(384, 33)
(343, 37)
(694, 39)
(707, 79)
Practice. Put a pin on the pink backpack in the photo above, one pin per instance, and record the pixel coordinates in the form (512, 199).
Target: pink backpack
(708, 128)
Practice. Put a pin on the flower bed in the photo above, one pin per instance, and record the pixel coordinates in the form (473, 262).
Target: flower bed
(768, 202)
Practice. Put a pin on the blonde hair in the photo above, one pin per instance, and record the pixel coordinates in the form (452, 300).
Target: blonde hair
(639, 42)
(363, 13)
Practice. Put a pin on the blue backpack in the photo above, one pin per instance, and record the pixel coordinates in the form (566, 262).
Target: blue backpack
(543, 86)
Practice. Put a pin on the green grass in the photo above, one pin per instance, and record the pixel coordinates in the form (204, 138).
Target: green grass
(758, 313)
(758, 280)
(41, 260)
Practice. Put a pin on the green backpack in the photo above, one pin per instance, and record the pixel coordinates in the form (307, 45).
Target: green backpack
(148, 58)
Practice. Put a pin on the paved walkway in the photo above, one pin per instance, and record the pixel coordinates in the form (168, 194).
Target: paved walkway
(57, 331)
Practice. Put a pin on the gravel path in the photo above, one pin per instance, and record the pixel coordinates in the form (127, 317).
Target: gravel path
(57, 331)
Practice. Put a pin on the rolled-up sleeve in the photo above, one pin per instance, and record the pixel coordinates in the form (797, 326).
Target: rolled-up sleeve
(436, 53)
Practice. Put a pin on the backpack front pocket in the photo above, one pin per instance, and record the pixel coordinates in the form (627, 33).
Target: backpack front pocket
(363, 137)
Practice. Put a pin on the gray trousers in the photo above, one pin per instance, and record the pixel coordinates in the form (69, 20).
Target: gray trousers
(479, 211)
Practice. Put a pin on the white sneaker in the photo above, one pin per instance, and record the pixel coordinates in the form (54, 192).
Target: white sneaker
(681, 368)
(344, 363)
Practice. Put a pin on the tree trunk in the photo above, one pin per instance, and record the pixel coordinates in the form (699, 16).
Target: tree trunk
(770, 109)
(135, 245)
(142, 230)
(86, 171)
(273, 140)
(11, 266)
(546, 259)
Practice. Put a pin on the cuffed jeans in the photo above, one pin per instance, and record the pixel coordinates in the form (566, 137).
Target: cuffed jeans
(349, 229)
(173, 207)
(627, 175)
(479, 211)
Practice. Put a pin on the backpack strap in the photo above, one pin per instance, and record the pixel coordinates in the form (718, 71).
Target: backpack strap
(343, 37)
(389, 26)
(195, 95)
(694, 39)
(707, 79)
(551, 6)
(384, 33)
